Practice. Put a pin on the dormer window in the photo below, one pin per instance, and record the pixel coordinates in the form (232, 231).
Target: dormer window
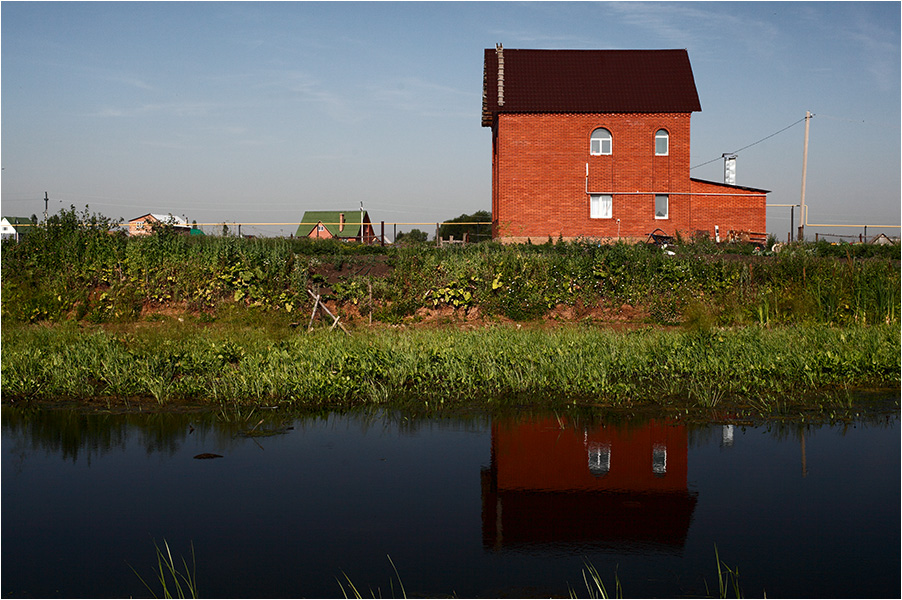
(601, 142)
(662, 143)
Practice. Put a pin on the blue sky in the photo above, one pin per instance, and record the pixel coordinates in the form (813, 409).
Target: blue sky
(256, 112)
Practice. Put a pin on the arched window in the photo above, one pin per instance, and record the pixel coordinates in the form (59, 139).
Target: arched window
(601, 142)
(662, 143)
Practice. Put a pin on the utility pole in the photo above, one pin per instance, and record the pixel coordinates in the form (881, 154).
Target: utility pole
(792, 210)
(46, 200)
(802, 214)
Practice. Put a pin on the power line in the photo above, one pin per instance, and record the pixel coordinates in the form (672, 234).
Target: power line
(750, 145)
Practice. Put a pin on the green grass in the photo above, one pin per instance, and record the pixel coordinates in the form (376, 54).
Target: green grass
(175, 583)
(352, 592)
(595, 584)
(762, 368)
(727, 582)
(172, 582)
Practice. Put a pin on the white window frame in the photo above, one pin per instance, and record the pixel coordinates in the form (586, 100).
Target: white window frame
(597, 145)
(601, 206)
(599, 459)
(666, 199)
(662, 134)
(659, 459)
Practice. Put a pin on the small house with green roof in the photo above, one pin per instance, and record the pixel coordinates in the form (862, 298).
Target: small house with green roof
(14, 228)
(351, 225)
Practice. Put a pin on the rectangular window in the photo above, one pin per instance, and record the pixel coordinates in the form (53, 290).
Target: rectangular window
(600, 206)
(662, 208)
(601, 146)
(661, 146)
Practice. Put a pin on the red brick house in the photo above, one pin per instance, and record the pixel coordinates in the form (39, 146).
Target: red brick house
(595, 144)
(550, 483)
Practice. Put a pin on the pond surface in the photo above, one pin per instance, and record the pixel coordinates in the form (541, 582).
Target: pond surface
(472, 507)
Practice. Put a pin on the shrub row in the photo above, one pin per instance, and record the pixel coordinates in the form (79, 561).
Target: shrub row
(74, 268)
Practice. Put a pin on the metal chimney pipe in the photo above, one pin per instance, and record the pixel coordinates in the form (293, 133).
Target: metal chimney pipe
(729, 169)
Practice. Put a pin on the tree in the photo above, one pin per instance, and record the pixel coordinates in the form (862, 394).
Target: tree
(477, 233)
(414, 236)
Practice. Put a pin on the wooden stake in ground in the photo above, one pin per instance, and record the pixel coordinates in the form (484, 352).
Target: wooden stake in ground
(317, 303)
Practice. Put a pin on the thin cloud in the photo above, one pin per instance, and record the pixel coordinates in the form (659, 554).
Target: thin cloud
(682, 25)
(879, 50)
(425, 98)
(860, 38)
(130, 81)
(175, 109)
(297, 86)
(512, 37)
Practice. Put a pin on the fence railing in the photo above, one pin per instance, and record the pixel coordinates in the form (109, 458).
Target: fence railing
(376, 232)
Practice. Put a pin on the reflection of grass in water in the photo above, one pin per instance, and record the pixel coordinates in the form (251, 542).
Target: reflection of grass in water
(171, 580)
(254, 432)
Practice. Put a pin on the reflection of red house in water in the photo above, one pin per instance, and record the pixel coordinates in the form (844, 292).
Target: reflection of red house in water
(607, 486)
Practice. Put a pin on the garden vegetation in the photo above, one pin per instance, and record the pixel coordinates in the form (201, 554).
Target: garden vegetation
(225, 319)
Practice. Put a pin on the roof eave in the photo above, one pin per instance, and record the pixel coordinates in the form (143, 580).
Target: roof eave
(732, 186)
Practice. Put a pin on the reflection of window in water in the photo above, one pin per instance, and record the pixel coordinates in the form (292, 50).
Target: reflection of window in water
(727, 436)
(659, 459)
(599, 459)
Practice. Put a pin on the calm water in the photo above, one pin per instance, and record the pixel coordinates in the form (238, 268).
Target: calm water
(466, 506)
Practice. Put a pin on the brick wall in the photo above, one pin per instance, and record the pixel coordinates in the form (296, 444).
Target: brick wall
(543, 173)
(728, 207)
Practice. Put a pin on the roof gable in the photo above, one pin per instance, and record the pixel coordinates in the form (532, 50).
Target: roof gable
(587, 81)
(161, 218)
(331, 219)
(17, 220)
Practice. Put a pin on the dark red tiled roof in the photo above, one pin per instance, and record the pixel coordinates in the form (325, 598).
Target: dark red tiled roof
(597, 81)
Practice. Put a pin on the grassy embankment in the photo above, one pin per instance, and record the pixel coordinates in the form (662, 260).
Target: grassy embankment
(751, 367)
(207, 320)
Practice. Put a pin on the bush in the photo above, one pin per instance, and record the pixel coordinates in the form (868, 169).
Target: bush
(108, 277)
